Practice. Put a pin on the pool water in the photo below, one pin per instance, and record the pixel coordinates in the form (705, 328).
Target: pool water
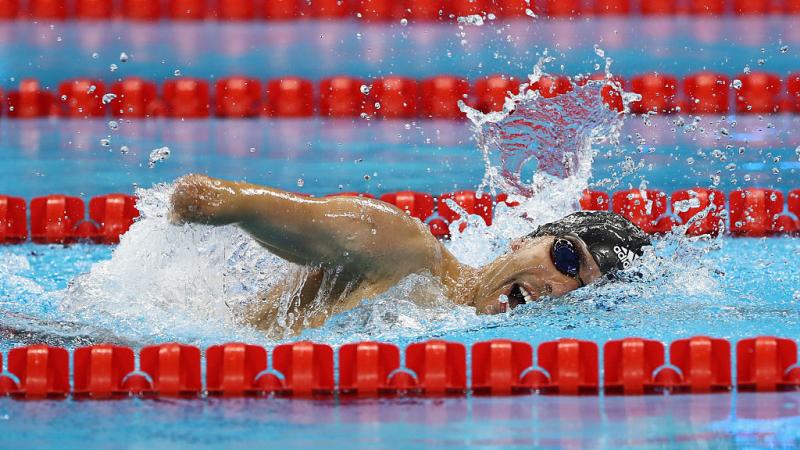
(705, 421)
(188, 284)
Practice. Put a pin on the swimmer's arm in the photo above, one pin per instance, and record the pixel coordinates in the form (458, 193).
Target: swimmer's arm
(365, 236)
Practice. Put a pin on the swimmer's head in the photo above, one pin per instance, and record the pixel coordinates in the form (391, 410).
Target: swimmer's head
(613, 241)
(560, 257)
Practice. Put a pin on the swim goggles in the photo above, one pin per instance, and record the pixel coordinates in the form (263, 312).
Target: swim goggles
(566, 258)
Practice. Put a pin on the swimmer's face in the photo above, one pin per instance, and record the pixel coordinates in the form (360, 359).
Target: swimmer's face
(527, 273)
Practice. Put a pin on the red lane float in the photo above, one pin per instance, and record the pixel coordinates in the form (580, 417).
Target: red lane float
(100, 371)
(30, 101)
(489, 93)
(793, 202)
(759, 93)
(793, 91)
(498, 366)
(753, 211)
(701, 208)
(93, 9)
(704, 363)
(13, 220)
(82, 98)
(551, 86)
(658, 7)
(440, 366)
(646, 208)
(330, 9)
(378, 10)
(463, 8)
(427, 10)
(766, 364)
(439, 228)
(415, 204)
(281, 9)
(237, 97)
(187, 98)
(53, 219)
(658, 93)
(747, 7)
(9, 9)
(290, 97)
(612, 7)
(470, 202)
(307, 369)
(364, 368)
(43, 371)
(571, 365)
(231, 369)
(707, 7)
(114, 214)
(510, 9)
(173, 368)
(135, 98)
(630, 365)
(707, 93)
(342, 97)
(141, 10)
(187, 9)
(394, 98)
(47, 9)
(594, 201)
(440, 97)
(562, 8)
(236, 10)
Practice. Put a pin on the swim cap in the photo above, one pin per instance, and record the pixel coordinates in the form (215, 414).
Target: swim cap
(613, 241)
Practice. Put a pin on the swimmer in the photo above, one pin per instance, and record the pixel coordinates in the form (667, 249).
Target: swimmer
(354, 248)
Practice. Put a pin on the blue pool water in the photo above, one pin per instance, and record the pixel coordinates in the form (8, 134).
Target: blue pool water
(166, 283)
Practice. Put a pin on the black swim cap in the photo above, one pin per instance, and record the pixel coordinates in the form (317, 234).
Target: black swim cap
(613, 241)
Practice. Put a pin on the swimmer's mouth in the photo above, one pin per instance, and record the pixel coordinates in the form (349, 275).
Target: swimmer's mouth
(518, 295)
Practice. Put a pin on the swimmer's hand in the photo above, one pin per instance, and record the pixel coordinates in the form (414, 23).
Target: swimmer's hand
(201, 199)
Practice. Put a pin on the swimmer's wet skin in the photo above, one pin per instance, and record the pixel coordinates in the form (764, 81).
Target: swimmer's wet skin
(356, 248)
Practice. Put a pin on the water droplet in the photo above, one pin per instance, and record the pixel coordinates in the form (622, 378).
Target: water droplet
(177, 72)
(252, 149)
(91, 89)
(365, 89)
(63, 97)
(737, 84)
(95, 55)
(105, 142)
(108, 98)
(746, 69)
(113, 67)
(377, 105)
(301, 182)
(366, 177)
(113, 124)
(123, 57)
(404, 21)
(158, 155)
(761, 61)
(124, 149)
(784, 48)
